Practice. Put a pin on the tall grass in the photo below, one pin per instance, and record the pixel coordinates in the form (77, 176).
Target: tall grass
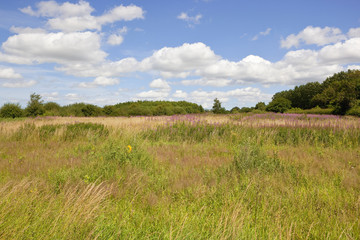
(188, 177)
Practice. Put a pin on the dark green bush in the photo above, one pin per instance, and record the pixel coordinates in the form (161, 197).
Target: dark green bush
(354, 111)
(279, 104)
(11, 110)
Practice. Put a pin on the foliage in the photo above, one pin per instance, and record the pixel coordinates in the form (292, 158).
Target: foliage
(354, 111)
(260, 106)
(279, 104)
(235, 110)
(315, 110)
(217, 109)
(339, 92)
(11, 110)
(35, 106)
(52, 109)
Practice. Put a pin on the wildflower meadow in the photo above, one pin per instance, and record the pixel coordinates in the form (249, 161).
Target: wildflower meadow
(196, 176)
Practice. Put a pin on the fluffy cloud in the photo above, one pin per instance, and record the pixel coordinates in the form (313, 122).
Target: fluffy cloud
(342, 53)
(106, 69)
(198, 60)
(162, 90)
(11, 79)
(216, 82)
(99, 81)
(160, 84)
(354, 32)
(180, 94)
(72, 96)
(190, 20)
(115, 39)
(70, 17)
(53, 96)
(26, 30)
(9, 73)
(62, 48)
(314, 35)
(242, 95)
(53, 9)
(153, 95)
(176, 61)
(122, 13)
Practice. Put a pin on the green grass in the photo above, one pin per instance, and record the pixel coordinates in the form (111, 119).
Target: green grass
(179, 181)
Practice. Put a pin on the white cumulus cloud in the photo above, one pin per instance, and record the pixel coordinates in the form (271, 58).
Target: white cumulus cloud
(162, 90)
(9, 73)
(180, 94)
(354, 32)
(69, 17)
(342, 53)
(249, 94)
(180, 60)
(153, 95)
(314, 35)
(62, 48)
(115, 39)
(160, 84)
(99, 81)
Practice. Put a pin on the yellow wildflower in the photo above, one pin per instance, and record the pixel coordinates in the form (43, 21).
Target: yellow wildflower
(129, 148)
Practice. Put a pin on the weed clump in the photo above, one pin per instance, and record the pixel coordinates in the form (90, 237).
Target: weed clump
(78, 130)
(251, 157)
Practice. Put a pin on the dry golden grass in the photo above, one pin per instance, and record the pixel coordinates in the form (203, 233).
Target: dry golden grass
(132, 124)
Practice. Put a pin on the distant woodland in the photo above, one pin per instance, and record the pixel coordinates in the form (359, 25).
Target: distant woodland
(338, 94)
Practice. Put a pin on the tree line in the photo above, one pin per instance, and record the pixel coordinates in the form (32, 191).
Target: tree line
(338, 94)
(37, 107)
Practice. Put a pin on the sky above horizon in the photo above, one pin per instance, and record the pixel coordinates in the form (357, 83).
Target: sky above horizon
(106, 52)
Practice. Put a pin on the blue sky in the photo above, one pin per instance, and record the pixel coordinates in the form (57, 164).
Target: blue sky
(106, 52)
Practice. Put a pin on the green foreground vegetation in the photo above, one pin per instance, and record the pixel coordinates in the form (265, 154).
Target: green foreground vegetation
(188, 178)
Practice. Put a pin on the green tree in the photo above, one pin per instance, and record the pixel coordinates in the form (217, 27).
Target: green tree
(11, 110)
(35, 106)
(90, 110)
(235, 110)
(260, 106)
(52, 109)
(341, 91)
(279, 104)
(217, 109)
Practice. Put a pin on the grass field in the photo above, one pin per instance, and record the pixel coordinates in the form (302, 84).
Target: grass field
(264, 176)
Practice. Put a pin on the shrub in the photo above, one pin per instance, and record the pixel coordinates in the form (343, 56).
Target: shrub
(354, 111)
(279, 104)
(250, 157)
(11, 110)
(315, 110)
(52, 109)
